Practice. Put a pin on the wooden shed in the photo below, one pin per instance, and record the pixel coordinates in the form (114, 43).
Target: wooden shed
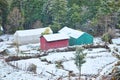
(53, 41)
(77, 37)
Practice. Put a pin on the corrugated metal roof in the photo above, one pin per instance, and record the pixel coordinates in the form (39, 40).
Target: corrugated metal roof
(71, 32)
(55, 37)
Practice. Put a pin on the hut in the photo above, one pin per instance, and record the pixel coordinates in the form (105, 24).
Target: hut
(77, 37)
(22, 37)
(53, 41)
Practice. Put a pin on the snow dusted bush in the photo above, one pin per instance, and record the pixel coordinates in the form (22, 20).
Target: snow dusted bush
(118, 63)
(108, 36)
(59, 64)
(32, 67)
(116, 73)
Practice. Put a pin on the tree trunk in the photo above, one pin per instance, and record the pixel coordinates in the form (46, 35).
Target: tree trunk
(106, 24)
(3, 25)
(79, 72)
(4, 29)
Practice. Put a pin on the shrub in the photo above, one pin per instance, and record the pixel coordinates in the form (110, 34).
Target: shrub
(118, 63)
(106, 37)
(59, 64)
(116, 73)
(47, 31)
(109, 35)
(32, 67)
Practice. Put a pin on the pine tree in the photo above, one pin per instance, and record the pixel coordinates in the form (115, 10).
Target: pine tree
(3, 14)
(55, 11)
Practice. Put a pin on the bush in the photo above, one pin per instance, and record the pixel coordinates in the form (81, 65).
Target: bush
(59, 64)
(32, 68)
(116, 74)
(109, 35)
(47, 31)
(118, 63)
(106, 37)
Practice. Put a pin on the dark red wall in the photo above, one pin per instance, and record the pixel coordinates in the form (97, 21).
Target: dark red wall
(53, 44)
(42, 43)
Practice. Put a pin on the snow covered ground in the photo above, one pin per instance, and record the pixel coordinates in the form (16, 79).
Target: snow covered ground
(96, 61)
(9, 73)
(99, 61)
(116, 41)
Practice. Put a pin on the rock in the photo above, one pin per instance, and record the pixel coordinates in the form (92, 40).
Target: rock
(4, 52)
(1, 40)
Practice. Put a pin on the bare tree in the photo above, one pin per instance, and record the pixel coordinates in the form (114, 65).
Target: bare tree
(15, 20)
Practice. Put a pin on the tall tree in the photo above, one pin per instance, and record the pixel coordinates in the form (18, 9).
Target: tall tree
(58, 10)
(15, 20)
(16, 3)
(88, 9)
(55, 27)
(74, 16)
(77, 2)
(46, 13)
(32, 11)
(107, 13)
(3, 13)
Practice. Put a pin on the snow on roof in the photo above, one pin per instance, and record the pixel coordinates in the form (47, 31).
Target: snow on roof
(54, 37)
(71, 32)
(116, 41)
(32, 31)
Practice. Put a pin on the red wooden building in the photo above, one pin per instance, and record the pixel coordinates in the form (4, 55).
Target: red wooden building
(53, 41)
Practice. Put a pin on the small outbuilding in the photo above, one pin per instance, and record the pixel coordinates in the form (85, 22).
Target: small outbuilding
(77, 37)
(53, 41)
(22, 37)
